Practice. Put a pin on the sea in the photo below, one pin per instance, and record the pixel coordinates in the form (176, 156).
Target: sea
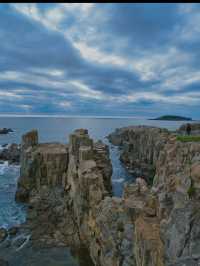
(57, 128)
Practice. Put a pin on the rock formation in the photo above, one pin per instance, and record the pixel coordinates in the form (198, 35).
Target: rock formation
(69, 195)
(174, 204)
(10, 153)
(5, 130)
(141, 148)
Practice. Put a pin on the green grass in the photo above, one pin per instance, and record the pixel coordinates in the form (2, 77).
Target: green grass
(188, 138)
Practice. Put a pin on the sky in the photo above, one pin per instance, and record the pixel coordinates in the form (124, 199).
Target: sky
(103, 59)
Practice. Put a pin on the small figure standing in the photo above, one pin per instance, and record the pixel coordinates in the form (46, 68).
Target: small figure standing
(188, 129)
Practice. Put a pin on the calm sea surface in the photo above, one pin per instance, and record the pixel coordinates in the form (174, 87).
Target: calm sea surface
(58, 129)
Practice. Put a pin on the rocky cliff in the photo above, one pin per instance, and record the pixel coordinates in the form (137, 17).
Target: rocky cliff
(174, 193)
(68, 190)
(141, 148)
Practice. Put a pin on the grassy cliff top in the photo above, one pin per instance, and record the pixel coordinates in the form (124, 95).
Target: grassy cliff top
(188, 138)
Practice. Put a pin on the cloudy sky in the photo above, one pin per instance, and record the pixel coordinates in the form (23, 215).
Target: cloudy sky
(100, 59)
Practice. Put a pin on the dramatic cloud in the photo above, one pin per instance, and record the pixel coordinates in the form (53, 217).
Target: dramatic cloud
(100, 59)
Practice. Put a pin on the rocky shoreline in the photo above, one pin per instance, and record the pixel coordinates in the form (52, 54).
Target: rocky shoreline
(5, 130)
(69, 194)
(10, 153)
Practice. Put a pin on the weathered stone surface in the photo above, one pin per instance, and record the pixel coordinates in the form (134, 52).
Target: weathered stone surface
(13, 230)
(5, 130)
(10, 153)
(65, 185)
(70, 201)
(41, 165)
(171, 206)
(141, 146)
(3, 234)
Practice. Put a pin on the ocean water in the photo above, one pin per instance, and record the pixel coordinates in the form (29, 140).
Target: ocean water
(58, 129)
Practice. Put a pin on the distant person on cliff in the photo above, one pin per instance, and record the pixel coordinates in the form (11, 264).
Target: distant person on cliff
(188, 129)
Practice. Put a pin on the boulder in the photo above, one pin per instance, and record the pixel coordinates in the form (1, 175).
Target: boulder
(11, 153)
(3, 234)
(5, 130)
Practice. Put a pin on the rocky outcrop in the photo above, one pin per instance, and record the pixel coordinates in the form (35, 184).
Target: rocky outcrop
(63, 185)
(41, 165)
(141, 146)
(174, 194)
(10, 153)
(68, 190)
(5, 130)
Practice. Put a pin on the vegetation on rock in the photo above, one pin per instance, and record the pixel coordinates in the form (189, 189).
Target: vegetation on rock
(172, 118)
(188, 138)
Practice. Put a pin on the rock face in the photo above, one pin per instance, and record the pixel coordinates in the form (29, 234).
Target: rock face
(10, 153)
(174, 196)
(5, 130)
(69, 195)
(141, 148)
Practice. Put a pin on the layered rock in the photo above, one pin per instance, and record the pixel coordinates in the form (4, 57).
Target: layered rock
(41, 165)
(63, 185)
(68, 188)
(174, 224)
(177, 182)
(141, 146)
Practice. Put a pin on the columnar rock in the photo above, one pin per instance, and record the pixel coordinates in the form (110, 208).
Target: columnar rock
(141, 146)
(68, 188)
(174, 219)
(86, 179)
(64, 185)
(41, 164)
(177, 183)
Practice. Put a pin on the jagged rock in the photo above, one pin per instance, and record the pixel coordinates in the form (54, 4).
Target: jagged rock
(3, 234)
(13, 230)
(170, 209)
(70, 201)
(10, 153)
(30, 139)
(141, 146)
(41, 164)
(64, 185)
(5, 130)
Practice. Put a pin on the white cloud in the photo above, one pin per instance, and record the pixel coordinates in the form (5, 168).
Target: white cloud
(170, 67)
(189, 99)
(85, 91)
(9, 95)
(25, 107)
(65, 104)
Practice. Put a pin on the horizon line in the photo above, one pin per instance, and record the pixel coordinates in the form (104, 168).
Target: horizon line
(69, 116)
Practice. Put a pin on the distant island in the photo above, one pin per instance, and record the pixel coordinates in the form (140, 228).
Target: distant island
(172, 118)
